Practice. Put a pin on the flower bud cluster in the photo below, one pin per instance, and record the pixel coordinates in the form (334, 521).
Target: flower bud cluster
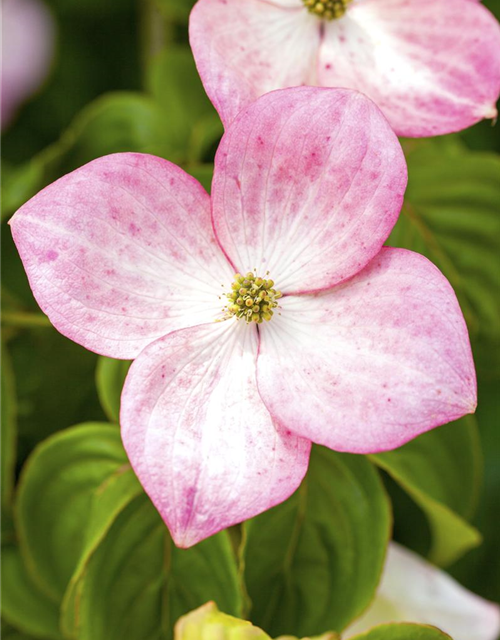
(328, 9)
(252, 298)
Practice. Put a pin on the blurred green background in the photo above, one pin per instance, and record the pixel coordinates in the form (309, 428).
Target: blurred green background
(123, 79)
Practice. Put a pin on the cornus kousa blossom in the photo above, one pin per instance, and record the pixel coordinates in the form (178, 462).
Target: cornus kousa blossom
(413, 590)
(262, 320)
(432, 66)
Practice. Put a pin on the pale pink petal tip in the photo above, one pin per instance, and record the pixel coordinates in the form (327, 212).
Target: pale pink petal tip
(372, 363)
(120, 252)
(413, 590)
(199, 437)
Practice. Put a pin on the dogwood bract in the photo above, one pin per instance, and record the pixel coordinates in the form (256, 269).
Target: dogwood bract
(432, 66)
(28, 33)
(321, 334)
(413, 590)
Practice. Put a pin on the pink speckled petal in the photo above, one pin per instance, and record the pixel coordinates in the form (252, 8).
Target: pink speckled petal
(245, 48)
(120, 252)
(372, 363)
(413, 590)
(432, 66)
(199, 436)
(308, 184)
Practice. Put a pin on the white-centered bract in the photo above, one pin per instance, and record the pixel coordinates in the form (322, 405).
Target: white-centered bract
(129, 257)
(432, 66)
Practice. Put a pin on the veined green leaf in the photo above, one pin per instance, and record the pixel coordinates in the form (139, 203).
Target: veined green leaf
(441, 471)
(54, 385)
(191, 121)
(137, 583)
(9, 436)
(55, 497)
(403, 631)
(23, 605)
(10, 633)
(108, 501)
(313, 562)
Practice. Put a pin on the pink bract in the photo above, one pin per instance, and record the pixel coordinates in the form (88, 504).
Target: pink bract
(432, 66)
(27, 52)
(368, 350)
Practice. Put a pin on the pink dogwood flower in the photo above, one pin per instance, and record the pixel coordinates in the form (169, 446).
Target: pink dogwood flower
(432, 66)
(326, 337)
(27, 51)
(413, 590)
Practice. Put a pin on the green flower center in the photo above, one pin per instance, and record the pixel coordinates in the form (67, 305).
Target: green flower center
(251, 299)
(327, 9)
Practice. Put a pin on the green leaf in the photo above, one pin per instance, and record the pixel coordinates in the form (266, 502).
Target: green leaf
(110, 376)
(107, 503)
(10, 633)
(477, 568)
(313, 562)
(441, 471)
(191, 121)
(137, 583)
(113, 123)
(55, 499)
(203, 173)
(178, 10)
(9, 436)
(54, 385)
(23, 605)
(403, 631)
(451, 215)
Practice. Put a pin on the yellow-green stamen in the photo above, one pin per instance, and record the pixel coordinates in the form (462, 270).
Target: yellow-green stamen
(327, 9)
(251, 299)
